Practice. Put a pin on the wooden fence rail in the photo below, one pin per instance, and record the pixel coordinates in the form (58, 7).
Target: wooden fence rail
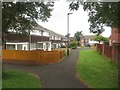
(31, 57)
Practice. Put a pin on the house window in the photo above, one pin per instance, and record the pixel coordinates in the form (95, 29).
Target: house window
(33, 45)
(19, 47)
(40, 45)
(54, 46)
(11, 47)
(52, 37)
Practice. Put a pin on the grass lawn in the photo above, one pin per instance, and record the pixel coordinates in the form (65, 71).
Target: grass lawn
(17, 79)
(97, 71)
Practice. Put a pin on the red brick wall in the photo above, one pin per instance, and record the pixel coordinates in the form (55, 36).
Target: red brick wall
(115, 35)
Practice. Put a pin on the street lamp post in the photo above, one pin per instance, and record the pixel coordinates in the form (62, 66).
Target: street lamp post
(68, 33)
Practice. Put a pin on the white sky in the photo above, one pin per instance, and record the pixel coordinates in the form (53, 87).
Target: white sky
(78, 21)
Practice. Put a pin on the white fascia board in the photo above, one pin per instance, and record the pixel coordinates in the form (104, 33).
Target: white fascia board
(44, 42)
(17, 43)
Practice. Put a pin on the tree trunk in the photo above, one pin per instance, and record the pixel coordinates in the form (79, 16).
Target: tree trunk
(4, 40)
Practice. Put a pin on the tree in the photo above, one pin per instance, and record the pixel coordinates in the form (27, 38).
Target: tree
(101, 38)
(22, 16)
(78, 35)
(67, 36)
(100, 14)
(73, 44)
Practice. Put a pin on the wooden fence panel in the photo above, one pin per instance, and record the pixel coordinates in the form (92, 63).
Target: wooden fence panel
(112, 52)
(116, 52)
(99, 48)
(108, 51)
(36, 56)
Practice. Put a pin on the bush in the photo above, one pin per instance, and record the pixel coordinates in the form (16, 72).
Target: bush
(73, 45)
(63, 46)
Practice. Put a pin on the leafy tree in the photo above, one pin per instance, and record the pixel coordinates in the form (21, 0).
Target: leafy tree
(78, 35)
(73, 44)
(100, 14)
(101, 38)
(67, 36)
(22, 16)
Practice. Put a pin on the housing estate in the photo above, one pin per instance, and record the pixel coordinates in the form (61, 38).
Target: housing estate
(39, 38)
(85, 39)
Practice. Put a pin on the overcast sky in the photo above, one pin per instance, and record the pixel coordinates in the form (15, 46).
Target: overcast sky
(78, 21)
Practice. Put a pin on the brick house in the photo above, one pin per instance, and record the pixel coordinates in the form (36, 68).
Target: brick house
(87, 39)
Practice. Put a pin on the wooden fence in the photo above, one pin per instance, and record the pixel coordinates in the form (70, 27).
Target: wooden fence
(107, 51)
(111, 52)
(31, 57)
(99, 48)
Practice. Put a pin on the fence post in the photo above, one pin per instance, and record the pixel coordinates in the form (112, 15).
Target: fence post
(116, 52)
(103, 49)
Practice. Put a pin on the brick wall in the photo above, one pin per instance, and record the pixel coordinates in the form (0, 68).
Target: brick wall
(115, 35)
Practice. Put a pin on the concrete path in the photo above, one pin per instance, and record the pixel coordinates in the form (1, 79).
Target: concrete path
(58, 75)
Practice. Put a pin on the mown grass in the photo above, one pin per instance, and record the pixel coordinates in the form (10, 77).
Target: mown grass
(97, 71)
(17, 79)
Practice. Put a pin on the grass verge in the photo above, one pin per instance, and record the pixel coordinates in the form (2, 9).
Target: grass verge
(97, 71)
(17, 79)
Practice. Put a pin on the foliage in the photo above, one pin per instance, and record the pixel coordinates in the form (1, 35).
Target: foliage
(101, 38)
(67, 36)
(17, 79)
(21, 16)
(73, 44)
(97, 72)
(78, 35)
(100, 14)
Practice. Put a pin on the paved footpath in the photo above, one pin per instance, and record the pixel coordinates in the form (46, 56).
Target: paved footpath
(58, 75)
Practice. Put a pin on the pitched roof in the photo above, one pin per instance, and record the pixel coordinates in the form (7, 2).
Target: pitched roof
(52, 33)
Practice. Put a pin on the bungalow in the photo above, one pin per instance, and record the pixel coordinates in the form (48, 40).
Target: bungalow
(40, 38)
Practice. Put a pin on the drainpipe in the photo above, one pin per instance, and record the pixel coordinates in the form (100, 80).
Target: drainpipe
(29, 40)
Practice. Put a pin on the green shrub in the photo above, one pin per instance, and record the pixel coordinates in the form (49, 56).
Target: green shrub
(73, 44)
